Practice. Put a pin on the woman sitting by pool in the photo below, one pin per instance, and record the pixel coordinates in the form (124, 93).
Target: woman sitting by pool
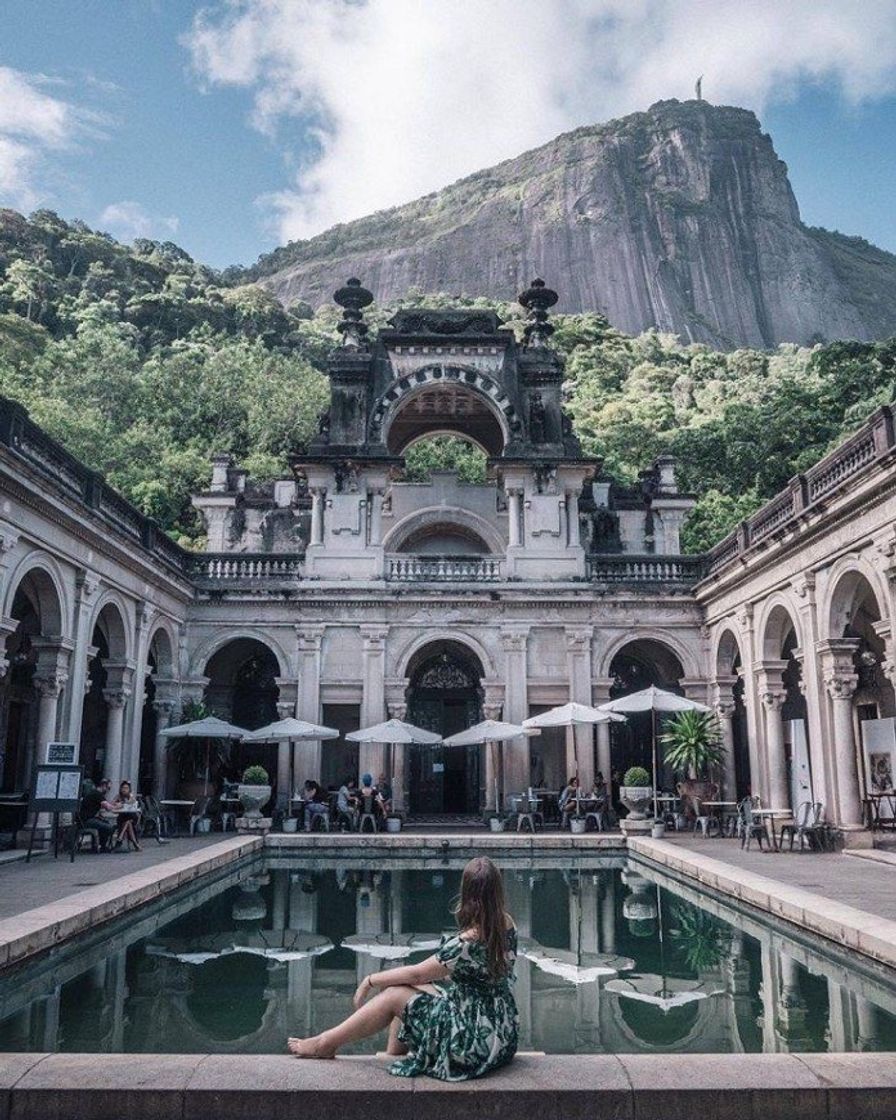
(453, 1016)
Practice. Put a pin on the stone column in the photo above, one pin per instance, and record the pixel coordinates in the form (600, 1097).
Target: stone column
(307, 755)
(578, 663)
(516, 706)
(572, 519)
(87, 584)
(50, 677)
(776, 794)
(285, 709)
(112, 760)
(164, 705)
(725, 707)
(318, 494)
(376, 517)
(840, 679)
(868, 1024)
(8, 627)
(514, 496)
(812, 685)
(372, 756)
(399, 710)
(608, 913)
(601, 694)
(491, 769)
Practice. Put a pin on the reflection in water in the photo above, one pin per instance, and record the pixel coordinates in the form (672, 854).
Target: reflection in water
(613, 958)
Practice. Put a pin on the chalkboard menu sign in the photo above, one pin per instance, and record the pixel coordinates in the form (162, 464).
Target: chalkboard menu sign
(57, 789)
(62, 754)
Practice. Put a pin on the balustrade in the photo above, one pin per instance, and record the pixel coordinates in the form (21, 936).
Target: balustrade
(474, 569)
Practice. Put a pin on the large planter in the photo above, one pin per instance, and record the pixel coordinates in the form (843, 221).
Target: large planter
(253, 798)
(637, 800)
(577, 825)
(393, 824)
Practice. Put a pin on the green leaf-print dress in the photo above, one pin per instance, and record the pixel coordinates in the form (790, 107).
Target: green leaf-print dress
(471, 1026)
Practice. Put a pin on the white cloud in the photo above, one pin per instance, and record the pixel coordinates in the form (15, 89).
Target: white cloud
(34, 125)
(404, 96)
(128, 219)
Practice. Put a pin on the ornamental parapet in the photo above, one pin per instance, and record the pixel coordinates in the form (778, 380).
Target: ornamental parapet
(247, 568)
(444, 569)
(630, 568)
(834, 475)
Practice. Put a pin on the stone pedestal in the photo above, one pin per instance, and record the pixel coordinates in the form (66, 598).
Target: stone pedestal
(635, 828)
(254, 825)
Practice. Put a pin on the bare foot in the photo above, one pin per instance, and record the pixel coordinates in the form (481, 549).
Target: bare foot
(310, 1048)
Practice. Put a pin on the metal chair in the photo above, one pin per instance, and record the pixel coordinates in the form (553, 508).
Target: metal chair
(800, 827)
(368, 813)
(705, 822)
(528, 813)
(751, 829)
(152, 822)
(599, 816)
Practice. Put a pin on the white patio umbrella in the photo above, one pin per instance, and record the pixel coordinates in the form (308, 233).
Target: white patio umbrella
(208, 728)
(578, 969)
(393, 731)
(653, 700)
(296, 945)
(290, 731)
(391, 946)
(573, 715)
(661, 991)
(492, 732)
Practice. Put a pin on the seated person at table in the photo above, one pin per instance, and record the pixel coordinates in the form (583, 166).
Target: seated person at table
(128, 814)
(92, 804)
(567, 803)
(317, 803)
(347, 804)
(368, 792)
(385, 793)
(600, 793)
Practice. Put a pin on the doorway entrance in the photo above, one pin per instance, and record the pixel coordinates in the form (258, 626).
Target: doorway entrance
(444, 696)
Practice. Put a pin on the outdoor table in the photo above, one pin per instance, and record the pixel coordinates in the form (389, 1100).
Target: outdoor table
(720, 808)
(176, 805)
(771, 815)
(532, 803)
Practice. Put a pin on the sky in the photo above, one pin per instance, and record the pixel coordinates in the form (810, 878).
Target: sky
(233, 126)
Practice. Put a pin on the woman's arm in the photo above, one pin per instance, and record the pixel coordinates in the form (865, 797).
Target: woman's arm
(411, 975)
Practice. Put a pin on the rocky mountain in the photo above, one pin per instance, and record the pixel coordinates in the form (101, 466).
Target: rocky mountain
(680, 218)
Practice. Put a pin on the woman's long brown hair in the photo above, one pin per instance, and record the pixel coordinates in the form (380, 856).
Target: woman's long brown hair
(482, 908)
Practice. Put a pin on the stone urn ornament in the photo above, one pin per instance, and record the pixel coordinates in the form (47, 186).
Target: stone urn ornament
(254, 791)
(636, 793)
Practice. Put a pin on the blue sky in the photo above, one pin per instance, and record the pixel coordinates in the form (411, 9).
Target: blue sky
(230, 127)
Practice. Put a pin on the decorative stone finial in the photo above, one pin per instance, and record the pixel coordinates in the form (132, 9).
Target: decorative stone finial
(353, 298)
(536, 299)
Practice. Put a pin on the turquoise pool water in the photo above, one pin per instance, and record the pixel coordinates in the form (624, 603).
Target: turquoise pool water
(615, 958)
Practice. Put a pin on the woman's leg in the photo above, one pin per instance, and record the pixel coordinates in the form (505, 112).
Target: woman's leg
(393, 1047)
(368, 1020)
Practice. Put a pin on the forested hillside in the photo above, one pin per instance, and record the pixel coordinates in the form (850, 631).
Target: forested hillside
(144, 362)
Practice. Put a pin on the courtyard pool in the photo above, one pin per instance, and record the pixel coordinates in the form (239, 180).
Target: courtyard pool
(615, 958)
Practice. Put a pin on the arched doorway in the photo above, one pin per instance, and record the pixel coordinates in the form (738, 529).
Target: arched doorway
(445, 696)
(108, 688)
(732, 712)
(638, 665)
(242, 688)
(446, 405)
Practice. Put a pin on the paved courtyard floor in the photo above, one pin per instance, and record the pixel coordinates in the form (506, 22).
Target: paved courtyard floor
(852, 880)
(23, 886)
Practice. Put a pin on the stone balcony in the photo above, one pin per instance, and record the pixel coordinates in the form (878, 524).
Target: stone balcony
(630, 568)
(444, 569)
(209, 570)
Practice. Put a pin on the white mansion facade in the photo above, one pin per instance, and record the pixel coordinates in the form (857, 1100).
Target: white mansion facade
(344, 595)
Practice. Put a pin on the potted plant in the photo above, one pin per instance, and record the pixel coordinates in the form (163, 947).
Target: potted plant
(495, 821)
(692, 743)
(636, 792)
(393, 822)
(577, 824)
(254, 791)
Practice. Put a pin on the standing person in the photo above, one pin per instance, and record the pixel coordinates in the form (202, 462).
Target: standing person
(92, 804)
(369, 793)
(316, 803)
(453, 1016)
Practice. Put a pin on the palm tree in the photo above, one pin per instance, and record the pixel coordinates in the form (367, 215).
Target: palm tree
(693, 743)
